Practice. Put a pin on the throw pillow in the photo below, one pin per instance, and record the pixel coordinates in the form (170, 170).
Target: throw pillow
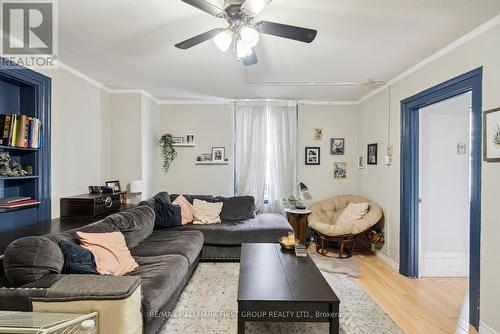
(206, 213)
(110, 251)
(77, 260)
(353, 211)
(186, 209)
(236, 208)
(167, 214)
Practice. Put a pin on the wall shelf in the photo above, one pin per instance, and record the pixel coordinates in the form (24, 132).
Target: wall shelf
(212, 163)
(184, 145)
(27, 177)
(15, 148)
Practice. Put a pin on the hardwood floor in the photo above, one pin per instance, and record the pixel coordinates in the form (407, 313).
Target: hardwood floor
(427, 305)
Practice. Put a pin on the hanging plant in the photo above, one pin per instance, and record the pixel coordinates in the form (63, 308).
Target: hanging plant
(168, 151)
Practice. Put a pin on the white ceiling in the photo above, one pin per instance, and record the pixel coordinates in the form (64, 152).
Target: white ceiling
(129, 44)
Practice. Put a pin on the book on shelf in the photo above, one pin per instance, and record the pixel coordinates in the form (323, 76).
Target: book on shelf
(20, 131)
(21, 202)
(9, 200)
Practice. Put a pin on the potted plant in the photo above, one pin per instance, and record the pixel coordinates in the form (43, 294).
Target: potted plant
(167, 150)
(376, 237)
(293, 203)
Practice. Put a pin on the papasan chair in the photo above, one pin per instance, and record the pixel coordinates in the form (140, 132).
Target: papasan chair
(323, 222)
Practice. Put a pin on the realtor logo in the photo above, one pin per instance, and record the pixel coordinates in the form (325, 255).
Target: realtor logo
(29, 33)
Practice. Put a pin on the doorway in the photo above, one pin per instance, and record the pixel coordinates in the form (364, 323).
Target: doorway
(470, 82)
(444, 174)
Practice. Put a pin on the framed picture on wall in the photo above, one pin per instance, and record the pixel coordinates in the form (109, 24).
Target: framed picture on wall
(337, 146)
(339, 170)
(491, 133)
(312, 156)
(372, 155)
(178, 140)
(361, 162)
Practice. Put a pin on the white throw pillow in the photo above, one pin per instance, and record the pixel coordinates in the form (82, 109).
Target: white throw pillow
(206, 213)
(352, 212)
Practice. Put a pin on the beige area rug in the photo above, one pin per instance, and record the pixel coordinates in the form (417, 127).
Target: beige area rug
(334, 265)
(208, 306)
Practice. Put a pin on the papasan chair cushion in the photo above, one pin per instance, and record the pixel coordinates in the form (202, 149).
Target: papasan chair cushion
(325, 214)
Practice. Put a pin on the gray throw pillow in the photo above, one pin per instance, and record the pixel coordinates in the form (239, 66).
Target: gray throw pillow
(236, 208)
(31, 258)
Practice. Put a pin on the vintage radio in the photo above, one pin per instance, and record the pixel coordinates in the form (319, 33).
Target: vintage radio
(89, 205)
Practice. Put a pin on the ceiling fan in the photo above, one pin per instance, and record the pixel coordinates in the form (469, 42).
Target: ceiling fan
(243, 32)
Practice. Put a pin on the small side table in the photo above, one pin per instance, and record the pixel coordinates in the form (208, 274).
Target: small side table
(298, 220)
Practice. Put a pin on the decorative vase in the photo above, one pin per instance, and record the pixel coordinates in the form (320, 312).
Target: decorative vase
(373, 247)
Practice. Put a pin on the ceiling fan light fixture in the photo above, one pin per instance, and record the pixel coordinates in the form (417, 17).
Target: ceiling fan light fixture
(243, 49)
(223, 40)
(249, 35)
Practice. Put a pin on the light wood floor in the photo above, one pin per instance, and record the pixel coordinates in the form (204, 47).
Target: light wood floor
(427, 305)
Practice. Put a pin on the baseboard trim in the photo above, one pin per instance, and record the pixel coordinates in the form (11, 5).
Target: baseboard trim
(485, 329)
(390, 262)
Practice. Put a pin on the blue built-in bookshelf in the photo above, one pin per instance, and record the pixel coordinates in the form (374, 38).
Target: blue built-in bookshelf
(26, 92)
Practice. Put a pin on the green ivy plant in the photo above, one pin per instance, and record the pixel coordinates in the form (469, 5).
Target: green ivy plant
(168, 151)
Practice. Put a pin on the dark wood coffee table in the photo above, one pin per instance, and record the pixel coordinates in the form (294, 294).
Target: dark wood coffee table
(277, 286)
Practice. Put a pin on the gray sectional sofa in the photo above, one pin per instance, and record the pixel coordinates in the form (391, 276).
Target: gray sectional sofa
(140, 301)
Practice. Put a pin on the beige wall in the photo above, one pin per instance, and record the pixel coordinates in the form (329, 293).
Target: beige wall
(151, 162)
(337, 121)
(76, 135)
(384, 181)
(213, 126)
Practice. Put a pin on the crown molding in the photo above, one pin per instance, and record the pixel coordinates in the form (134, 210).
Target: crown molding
(197, 102)
(326, 103)
(447, 49)
(82, 76)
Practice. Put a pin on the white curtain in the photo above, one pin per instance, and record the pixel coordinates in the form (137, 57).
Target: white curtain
(282, 122)
(266, 150)
(251, 137)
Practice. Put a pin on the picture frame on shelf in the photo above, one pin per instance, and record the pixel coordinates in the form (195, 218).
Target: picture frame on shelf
(337, 146)
(491, 133)
(340, 170)
(190, 139)
(178, 140)
(218, 154)
(372, 154)
(115, 185)
(206, 157)
(312, 156)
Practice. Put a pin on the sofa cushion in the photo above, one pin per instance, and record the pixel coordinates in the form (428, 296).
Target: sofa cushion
(167, 214)
(236, 208)
(136, 224)
(160, 276)
(167, 241)
(77, 260)
(191, 198)
(267, 227)
(30, 258)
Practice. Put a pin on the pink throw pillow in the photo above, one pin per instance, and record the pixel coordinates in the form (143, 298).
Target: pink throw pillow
(186, 209)
(110, 251)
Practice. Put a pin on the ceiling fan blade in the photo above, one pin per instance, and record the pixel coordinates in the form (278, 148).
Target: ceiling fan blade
(254, 7)
(250, 60)
(193, 41)
(206, 7)
(283, 30)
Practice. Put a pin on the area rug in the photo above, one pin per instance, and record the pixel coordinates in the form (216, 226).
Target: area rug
(208, 305)
(334, 265)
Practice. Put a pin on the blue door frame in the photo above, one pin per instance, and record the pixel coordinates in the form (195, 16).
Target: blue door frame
(409, 219)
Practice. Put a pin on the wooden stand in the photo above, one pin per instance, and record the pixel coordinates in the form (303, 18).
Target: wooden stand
(341, 240)
(298, 221)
